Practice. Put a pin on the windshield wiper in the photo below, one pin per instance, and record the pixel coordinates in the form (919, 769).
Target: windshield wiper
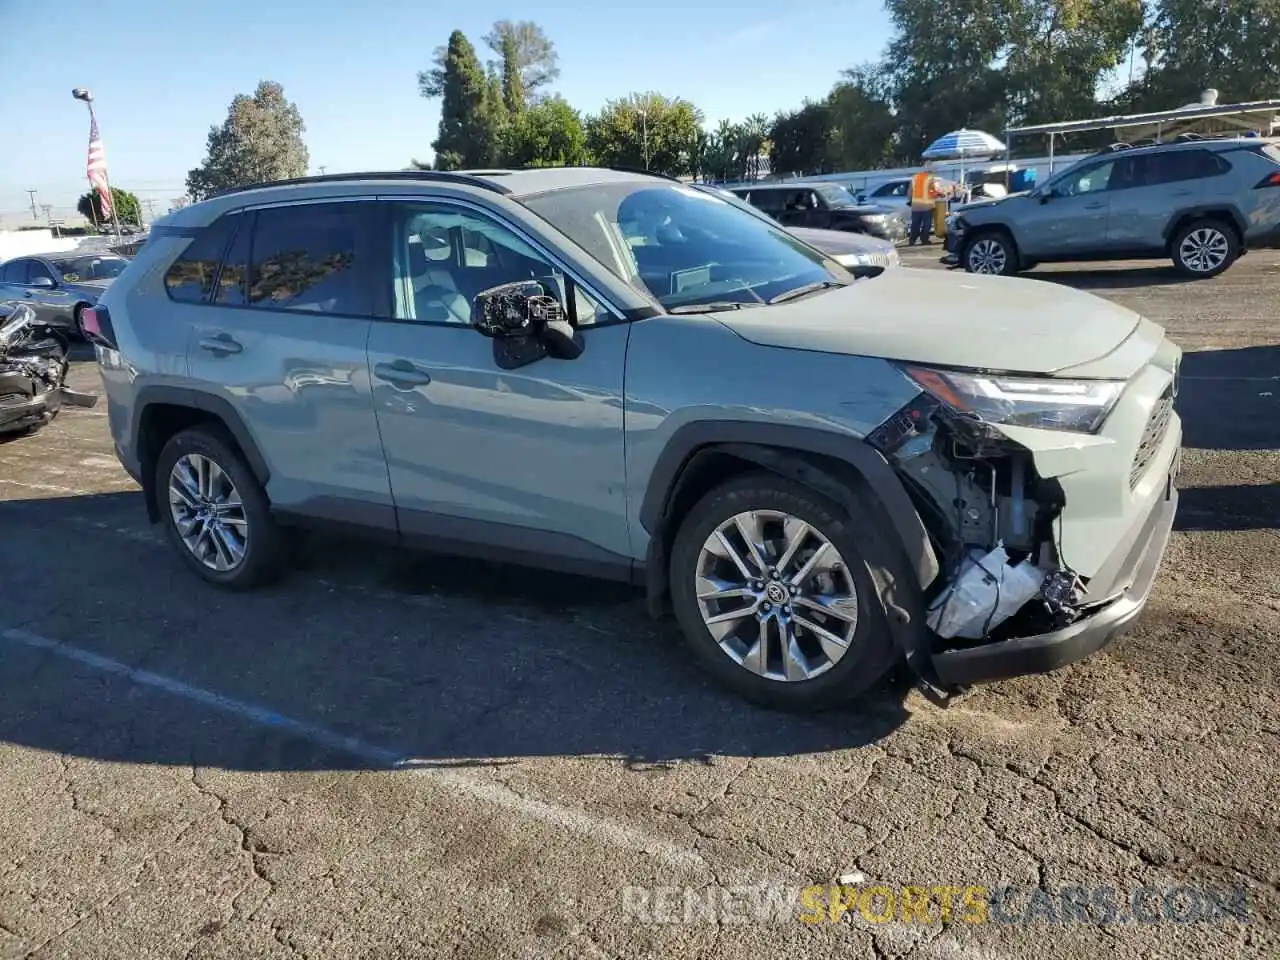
(805, 290)
(713, 306)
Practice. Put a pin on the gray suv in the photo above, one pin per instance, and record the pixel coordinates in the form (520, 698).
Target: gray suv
(1201, 203)
(618, 375)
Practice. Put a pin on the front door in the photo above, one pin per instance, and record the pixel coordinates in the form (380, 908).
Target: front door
(522, 463)
(282, 338)
(1072, 220)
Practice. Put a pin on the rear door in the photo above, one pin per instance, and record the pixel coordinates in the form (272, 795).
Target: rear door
(282, 337)
(1149, 190)
(13, 280)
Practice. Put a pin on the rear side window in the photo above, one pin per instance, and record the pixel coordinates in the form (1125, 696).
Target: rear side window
(191, 278)
(15, 271)
(304, 258)
(233, 281)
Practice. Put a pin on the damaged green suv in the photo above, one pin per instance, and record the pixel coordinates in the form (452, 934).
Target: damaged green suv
(616, 374)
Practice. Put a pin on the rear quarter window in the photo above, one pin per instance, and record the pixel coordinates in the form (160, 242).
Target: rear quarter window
(1272, 151)
(191, 277)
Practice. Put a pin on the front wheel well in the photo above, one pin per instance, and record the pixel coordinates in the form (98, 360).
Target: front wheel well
(157, 425)
(716, 464)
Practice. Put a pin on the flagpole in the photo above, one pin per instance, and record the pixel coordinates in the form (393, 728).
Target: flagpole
(106, 178)
(81, 93)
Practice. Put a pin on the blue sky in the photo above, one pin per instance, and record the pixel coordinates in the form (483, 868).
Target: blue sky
(162, 72)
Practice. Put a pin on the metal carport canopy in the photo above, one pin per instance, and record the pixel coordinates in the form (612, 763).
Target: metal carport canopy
(1265, 109)
(1255, 113)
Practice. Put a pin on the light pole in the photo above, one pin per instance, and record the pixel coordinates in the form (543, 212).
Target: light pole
(82, 93)
(644, 134)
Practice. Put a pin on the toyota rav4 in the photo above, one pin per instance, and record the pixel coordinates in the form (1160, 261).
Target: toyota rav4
(615, 374)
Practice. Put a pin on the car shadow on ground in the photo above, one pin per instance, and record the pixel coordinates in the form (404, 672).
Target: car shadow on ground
(446, 661)
(1113, 278)
(1230, 399)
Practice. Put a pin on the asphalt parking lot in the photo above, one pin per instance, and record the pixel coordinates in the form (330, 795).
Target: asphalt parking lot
(396, 755)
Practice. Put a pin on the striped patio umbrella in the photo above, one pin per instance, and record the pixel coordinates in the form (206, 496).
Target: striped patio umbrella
(962, 145)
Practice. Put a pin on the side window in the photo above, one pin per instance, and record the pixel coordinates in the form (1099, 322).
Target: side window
(233, 281)
(304, 258)
(1093, 180)
(1186, 165)
(37, 270)
(191, 277)
(442, 291)
(15, 271)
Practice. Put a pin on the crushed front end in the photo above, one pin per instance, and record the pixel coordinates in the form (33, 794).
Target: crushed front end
(1050, 501)
(33, 368)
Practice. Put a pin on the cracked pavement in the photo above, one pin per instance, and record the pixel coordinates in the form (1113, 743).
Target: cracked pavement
(559, 749)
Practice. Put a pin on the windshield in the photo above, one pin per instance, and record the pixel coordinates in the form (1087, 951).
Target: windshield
(90, 268)
(685, 246)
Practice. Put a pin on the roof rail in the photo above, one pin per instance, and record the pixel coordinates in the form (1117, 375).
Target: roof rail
(647, 173)
(420, 175)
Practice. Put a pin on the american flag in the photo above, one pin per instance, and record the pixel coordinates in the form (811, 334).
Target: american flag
(97, 168)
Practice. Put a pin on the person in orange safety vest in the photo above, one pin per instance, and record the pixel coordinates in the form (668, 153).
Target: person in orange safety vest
(924, 191)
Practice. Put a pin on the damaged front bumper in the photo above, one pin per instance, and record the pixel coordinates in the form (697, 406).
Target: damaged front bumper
(1049, 651)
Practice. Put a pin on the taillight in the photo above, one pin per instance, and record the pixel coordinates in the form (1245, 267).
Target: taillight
(96, 323)
(1270, 180)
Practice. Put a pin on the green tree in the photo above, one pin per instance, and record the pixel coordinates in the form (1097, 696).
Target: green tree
(471, 110)
(646, 130)
(127, 206)
(528, 61)
(1231, 46)
(260, 140)
(549, 133)
(863, 133)
(1057, 51)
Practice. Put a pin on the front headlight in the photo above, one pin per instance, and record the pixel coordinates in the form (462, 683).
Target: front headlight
(853, 260)
(1047, 403)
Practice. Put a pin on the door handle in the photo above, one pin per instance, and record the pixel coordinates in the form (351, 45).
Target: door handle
(401, 374)
(220, 345)
(29, 293)
(1096, 205)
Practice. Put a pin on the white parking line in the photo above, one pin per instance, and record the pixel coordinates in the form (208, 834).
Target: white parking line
(489, 791)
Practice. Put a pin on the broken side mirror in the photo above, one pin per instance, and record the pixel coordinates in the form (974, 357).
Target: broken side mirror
(526, 324)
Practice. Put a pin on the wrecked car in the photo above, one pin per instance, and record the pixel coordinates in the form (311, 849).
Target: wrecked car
(617, 374)
(33, 366)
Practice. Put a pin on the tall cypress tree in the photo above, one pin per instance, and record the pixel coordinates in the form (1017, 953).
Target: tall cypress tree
(471, 114)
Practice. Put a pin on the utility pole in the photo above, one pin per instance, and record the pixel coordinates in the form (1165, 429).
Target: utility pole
(34, 216)
(322, 170)
(151, 208)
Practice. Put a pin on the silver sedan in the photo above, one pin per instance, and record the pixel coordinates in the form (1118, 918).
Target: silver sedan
(60, 286)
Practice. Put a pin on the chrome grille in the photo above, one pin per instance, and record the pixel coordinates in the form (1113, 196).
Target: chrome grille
(1152, 436)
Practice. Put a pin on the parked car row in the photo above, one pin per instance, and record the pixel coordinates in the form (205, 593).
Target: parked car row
(826, 206)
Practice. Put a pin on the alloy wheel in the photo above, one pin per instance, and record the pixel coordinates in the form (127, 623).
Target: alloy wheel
(1204, 249)
(987, 256)
(776, 595)
(208, 512)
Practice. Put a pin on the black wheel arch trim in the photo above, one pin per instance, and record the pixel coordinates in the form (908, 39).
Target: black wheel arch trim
(219, 408)
(1210, 211)
(902, 569)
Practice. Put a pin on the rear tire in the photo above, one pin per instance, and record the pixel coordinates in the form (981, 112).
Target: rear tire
(990, 252)
(1205, 248)
(215, 512)
(739, 639)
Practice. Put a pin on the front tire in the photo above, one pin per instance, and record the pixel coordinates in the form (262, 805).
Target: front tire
(1205, 248)
(992, 253)
(215, 512)
(774, 597)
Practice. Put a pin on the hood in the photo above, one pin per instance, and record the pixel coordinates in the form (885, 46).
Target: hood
(990, 201)
(960, 320)
(838, 242)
